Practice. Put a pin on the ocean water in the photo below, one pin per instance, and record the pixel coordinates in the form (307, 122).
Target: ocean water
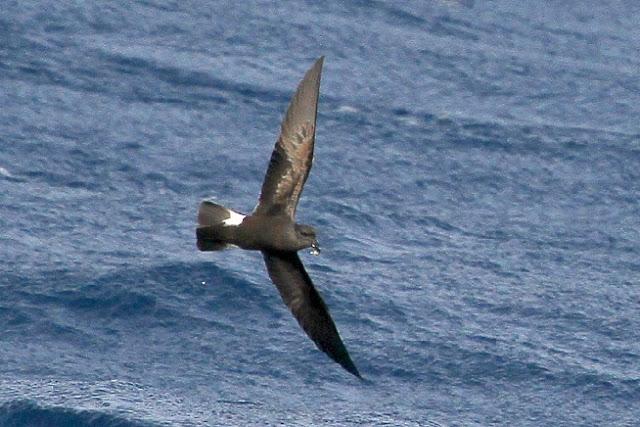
(476, 188)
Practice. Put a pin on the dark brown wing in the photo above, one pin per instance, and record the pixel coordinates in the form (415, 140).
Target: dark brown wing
(293, 154)
(304, 301)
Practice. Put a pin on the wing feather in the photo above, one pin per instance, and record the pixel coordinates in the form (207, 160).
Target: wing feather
(292, 155)
(306, 304)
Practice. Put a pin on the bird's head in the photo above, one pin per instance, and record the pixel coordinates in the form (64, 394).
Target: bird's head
(306, 235)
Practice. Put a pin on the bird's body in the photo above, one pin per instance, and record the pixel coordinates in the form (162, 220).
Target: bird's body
(271, 227)
(257, 232)
(281, 235)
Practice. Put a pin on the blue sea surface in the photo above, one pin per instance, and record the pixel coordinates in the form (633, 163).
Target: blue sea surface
(476, 188)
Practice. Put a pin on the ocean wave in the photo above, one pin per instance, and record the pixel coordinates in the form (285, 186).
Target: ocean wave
(27, 413)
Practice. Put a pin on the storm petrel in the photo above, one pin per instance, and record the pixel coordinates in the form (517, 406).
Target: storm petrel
(272, 228)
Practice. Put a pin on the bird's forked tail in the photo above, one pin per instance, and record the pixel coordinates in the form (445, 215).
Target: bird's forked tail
(215, 226)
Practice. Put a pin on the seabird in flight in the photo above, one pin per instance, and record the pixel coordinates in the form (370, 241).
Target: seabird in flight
(272, 228)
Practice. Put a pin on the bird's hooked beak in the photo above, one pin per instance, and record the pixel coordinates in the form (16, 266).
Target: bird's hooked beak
(315, 248)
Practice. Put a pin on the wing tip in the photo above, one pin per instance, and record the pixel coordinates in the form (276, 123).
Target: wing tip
(314, 73)
(343, 358)
(339, 353)
(318, 64)
(351, 368)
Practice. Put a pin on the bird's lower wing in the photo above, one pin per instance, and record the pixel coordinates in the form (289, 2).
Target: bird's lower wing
(306, 304)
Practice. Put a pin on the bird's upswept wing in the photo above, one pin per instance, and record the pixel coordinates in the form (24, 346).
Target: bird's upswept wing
(293, 153)
(304, 301)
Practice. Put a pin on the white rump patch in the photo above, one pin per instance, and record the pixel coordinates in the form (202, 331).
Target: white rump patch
(234, 219)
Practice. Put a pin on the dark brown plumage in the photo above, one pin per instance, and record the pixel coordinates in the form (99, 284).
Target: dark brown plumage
(272, 229)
